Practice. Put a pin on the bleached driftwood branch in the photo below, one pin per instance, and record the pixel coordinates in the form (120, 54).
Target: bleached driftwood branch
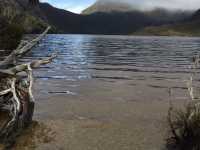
(13, 86)
(16, 92)
(24, 67)
(22, 49)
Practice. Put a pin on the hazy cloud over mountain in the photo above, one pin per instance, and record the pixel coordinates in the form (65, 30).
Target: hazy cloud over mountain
(170, 4)
(78, 5)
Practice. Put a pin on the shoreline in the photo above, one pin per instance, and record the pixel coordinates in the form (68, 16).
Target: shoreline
(76, 124)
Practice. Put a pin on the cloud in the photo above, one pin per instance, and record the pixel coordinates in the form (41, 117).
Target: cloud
(75, 9)
(78, 5)
(169, 4)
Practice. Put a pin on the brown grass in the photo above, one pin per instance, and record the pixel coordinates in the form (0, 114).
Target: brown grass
(184, 128)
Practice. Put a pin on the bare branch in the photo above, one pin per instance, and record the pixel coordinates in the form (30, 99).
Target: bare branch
(16, 95)
(30, 78)
(22, 49)
(5, 92)
(13, 89)
(33, 65)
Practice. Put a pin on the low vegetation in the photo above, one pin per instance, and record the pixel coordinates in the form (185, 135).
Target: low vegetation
(16, 98)
(185, 124)
(184, 128)
(11, 35)
(179, 29)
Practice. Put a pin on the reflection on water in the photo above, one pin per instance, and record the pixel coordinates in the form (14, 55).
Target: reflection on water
(96, 83)
(81, 53)
(113, 59)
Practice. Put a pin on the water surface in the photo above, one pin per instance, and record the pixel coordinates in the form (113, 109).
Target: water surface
(107, 92)
(95, 62)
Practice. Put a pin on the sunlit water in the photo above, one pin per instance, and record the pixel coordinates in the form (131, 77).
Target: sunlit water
(117, 85)
(126, 62)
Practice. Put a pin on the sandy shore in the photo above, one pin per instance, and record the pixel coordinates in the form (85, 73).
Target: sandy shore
(107, 92)
(87, 124)
(99, 115)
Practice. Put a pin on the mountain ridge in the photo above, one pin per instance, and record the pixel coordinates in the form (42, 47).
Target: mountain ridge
(107, 7)
(35, 18)
(111, 6)
(114, 22)
(188, 27)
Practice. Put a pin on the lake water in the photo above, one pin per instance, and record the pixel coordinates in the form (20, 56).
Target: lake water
(142, 67)
(107, 92)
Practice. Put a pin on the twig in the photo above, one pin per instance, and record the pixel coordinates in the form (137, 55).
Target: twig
(17, 97)
(5, 92)
(22, 49)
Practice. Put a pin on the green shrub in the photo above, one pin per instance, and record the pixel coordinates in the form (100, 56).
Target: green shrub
(10, 36)
(184, 128)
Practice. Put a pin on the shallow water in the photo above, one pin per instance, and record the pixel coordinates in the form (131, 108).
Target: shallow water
(127, 62)
(107, 92)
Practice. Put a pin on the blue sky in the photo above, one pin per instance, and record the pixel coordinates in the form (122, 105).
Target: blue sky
(72, 5)
(78, 5)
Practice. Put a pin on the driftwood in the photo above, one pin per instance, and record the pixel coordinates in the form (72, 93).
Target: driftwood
(22, 49)
(16, 96)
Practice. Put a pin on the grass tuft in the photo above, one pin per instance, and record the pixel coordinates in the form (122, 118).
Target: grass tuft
(184, 128)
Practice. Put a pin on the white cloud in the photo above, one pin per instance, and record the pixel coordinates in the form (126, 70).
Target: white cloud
(170, 4)
(75, 9)
(78, 5)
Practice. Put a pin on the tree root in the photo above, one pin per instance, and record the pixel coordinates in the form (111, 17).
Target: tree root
(16, 96)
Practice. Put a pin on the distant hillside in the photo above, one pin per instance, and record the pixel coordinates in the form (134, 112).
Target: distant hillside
(107, 7)
(159, 14)
(97, 23)
(188, 27)
(64, 21)
(115, 18)
(195, 16)
(116, 22)
(113, 22)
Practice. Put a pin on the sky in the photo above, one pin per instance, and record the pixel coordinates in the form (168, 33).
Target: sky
(75, 6)
(78, 5)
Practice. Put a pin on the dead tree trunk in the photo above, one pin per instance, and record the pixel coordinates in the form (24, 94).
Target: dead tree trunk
(16, 96)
